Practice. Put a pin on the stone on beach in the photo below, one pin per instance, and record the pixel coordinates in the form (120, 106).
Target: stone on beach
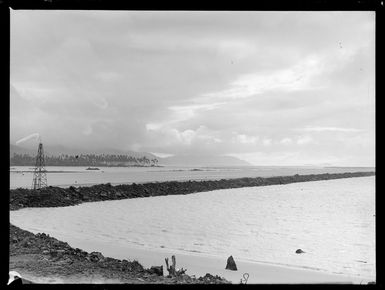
(231, 264)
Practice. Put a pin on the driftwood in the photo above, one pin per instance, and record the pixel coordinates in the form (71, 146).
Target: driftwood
(172, 270)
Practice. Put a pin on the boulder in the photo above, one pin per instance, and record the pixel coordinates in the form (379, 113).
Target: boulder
(211, 279)
(299, 251)
(231, 264)
(80, 253)
(64, 262)
(125, 265)
(96, 257)
(53, 253)
(60, 253)
(136, 266)
(156, 270)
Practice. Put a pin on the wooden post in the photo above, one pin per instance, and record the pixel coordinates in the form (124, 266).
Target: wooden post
(172, 271)
(173, 259)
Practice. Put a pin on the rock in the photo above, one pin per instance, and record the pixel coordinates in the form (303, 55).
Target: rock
(231, 264)
(156, 270)
(210, 279)
(96, 257)
(69, 260)
(125, 265)
(60, 253)
(64, 262)
(136, 266)
(56, 244)
(299, 251)
(80, 253)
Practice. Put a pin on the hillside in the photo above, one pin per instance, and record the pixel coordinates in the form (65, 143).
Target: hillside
(13, 149)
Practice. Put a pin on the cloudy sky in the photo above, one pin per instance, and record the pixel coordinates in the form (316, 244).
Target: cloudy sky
(272, 88)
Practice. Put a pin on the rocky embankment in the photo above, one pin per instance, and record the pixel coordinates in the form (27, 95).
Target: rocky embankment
(58, 197)
(43, 256)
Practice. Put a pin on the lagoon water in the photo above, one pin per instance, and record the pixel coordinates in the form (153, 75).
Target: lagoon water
(65, 176)
(333, 221)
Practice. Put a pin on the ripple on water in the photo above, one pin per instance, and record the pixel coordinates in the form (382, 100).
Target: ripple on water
(324, 219)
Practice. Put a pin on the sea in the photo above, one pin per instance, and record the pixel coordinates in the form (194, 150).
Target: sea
(332, 221)
(65, 176)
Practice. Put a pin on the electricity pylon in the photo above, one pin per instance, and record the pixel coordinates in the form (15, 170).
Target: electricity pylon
(39, 174)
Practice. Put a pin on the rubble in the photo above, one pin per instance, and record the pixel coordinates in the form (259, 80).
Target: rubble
(50, 256)
(58, 197)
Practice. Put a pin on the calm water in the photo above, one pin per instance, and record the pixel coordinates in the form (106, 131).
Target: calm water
(21, 176)
(332, 221)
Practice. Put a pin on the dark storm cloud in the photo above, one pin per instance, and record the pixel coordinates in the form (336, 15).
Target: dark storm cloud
(271, 87)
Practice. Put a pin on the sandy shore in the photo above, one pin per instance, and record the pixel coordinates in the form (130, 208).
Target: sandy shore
(38, 266)
(200, 264)
(258, 273)
(41, 258)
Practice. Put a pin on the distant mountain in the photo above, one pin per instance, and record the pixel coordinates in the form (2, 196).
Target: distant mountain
(21, 150)
(178, 160)
(48, 150)
(202, 160)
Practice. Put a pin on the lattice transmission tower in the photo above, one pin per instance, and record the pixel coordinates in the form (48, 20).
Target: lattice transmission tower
(39, 174)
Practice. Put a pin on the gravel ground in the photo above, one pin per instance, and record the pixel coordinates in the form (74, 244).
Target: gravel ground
(44, 259)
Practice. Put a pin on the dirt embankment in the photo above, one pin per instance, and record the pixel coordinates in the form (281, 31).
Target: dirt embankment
(58, 197)
(43, 256)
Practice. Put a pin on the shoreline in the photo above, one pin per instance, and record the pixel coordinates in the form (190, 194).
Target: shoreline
(59, 197)
(199, 264)
(42, 259)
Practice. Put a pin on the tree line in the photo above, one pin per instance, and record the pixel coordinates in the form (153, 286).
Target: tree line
(84, 160)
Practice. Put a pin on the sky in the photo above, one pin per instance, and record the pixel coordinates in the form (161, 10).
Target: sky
(272, 88)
